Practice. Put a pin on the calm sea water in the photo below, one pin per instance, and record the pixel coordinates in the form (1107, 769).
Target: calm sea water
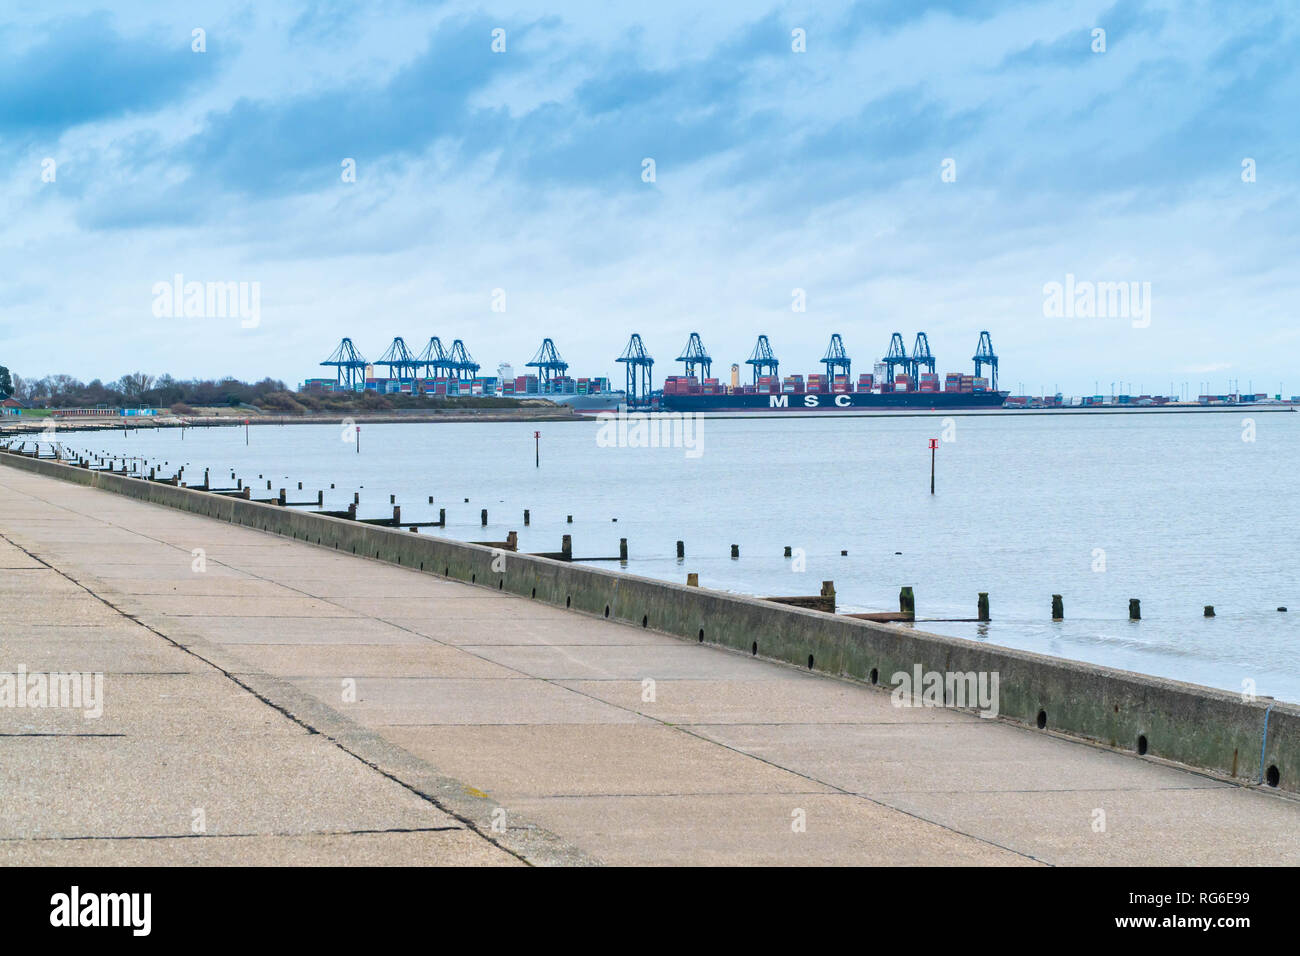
(1175, 509)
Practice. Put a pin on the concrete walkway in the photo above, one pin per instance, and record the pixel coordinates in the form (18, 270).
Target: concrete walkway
(311, 707)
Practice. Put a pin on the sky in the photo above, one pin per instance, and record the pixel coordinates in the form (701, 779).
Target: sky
(793, 169)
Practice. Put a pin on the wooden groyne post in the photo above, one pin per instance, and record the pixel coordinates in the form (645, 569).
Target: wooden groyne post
(825, 601)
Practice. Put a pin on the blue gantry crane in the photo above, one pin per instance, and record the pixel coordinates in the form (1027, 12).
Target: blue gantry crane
(639, 367)
(401, 363)
(461, 363)
(349, 365)
(984, 355)
(548, 363)
(836, 357)
(434, 360)
(762, 359)
(921, 356)
(897, 356)
(694, 355)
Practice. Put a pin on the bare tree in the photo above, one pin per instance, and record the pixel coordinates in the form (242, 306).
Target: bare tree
(134, 385)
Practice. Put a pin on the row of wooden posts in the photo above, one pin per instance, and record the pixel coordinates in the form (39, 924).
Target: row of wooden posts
(824, 601)
(1134, 609)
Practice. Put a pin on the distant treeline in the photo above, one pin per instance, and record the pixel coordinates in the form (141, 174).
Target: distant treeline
(182, 397)
(64, 391)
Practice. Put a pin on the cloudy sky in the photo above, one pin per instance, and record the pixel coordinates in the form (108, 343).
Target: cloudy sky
(918, 166)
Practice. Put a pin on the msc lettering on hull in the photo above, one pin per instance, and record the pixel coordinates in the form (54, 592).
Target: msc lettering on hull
(809, 401)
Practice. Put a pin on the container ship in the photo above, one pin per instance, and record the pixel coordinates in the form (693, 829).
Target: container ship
(900, 381)
(795, 395)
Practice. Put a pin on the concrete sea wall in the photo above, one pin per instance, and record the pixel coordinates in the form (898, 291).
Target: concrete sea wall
(1255, 742)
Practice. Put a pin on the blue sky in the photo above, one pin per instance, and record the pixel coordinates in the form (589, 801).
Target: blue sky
(775, 170)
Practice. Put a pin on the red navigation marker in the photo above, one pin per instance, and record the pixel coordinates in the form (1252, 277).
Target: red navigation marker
(934, 444)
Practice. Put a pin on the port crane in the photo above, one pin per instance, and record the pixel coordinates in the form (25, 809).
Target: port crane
(401, 363)
(639, 367)
(836, 357)
(897, 356)
(694, 355)
(349, 364)
(984, 355)
(461, 362)
(434, 360)
(762, 359)
(921, 355)
(548, 363)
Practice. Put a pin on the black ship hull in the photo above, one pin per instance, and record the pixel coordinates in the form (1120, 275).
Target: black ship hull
(788, 402)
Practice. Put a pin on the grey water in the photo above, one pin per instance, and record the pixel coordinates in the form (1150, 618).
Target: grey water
(1178, 510)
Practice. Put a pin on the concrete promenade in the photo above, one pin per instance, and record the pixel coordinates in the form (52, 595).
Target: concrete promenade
(270, 701)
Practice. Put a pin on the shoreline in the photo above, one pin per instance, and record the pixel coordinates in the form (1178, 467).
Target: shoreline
(561, 413)
(565, 413)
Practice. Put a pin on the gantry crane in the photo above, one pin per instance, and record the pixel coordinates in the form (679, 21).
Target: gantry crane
(434, 360)
(836, 357)
(984, 355)
(401, 363)
(921, 355)
(639, 367)
(696, 355)
(897, 356)
(349, 364)
(548, 363)
(763, 360)
(462, 364)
